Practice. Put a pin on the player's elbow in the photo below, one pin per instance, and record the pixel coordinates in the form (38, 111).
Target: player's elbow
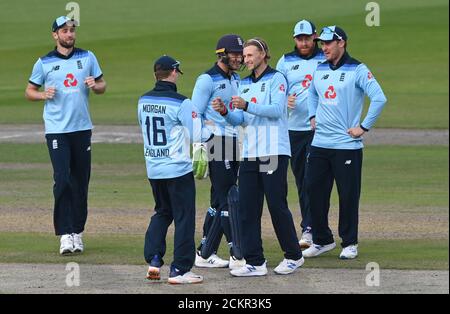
(381, 100)
(277, 113)
(101, 89)
(29, 94)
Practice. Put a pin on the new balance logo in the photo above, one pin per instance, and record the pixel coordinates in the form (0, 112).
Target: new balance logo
(348, 162)
(326, 76)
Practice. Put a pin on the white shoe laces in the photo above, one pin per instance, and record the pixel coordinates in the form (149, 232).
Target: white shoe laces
(66, 240)
(77, 239)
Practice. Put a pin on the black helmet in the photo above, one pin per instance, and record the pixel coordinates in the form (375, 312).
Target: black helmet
(230, 43)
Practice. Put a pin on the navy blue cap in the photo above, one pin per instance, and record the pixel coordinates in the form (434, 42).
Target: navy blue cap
(63, 20)
(331, 33)
(230, 43)
(167, 63)
(304, 27)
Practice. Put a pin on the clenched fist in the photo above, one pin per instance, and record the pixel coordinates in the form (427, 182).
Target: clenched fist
(90, 82)
(291, 101)
(49, 93)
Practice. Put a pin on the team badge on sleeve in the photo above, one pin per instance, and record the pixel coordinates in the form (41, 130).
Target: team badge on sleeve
(282, 88)
(369, 75)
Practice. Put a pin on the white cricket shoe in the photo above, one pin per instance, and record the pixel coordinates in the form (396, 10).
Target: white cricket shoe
(78, 245)
(316, 250)
(288, 266)
(250, 271)
(236, 263)
(186, 278)
(213, 261)
(66, 244)
(349, 252)
(306, 241)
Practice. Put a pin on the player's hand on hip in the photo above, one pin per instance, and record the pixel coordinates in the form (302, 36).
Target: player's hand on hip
(291, 101)
(238, 102)
(90, 82)
(356, 132)
(49, 93)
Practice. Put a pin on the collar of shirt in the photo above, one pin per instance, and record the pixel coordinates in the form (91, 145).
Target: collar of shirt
(255, 80)
(222, 72)
(60, 55)
(341, 62)
(165, 86)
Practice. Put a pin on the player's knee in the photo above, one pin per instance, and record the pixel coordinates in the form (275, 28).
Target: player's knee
(62, 180)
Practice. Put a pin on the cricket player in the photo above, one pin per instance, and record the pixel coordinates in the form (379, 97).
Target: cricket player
(219, 83)
(67, 74)
(335, 102)
(166, 119)
(298, 67)
(261, 110)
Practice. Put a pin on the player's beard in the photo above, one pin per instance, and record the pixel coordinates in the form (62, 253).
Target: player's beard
(306, 51)
(234, 65)
(66, 44)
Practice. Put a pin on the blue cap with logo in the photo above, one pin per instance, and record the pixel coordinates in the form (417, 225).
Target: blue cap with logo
(230, 43)
(167, 63)
(304, 27)
(63, 20)
(331, 33)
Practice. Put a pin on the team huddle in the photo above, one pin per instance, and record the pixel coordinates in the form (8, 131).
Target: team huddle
(241, 132)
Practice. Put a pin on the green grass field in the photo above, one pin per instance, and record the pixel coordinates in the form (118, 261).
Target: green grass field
(119, 183)
(408, 53)
(394, 178)
(128, 250)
